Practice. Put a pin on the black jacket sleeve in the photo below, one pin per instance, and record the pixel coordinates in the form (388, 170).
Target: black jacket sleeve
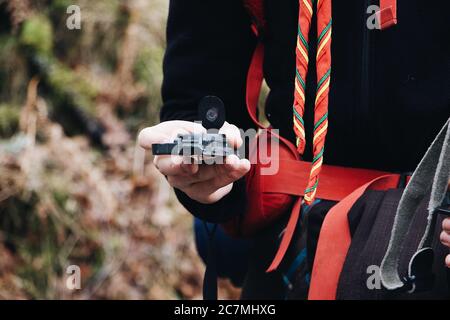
(209, 47)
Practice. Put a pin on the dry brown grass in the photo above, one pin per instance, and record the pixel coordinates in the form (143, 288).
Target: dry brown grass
(64, 202)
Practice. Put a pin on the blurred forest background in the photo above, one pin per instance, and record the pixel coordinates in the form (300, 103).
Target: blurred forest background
(74, 189)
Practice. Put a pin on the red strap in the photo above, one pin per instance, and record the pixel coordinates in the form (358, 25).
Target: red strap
(340, 182)
(287, 236)
(335, 239)
(336, 182)
(254, 81)
(255, 78)
(256, 10)
(387, 16)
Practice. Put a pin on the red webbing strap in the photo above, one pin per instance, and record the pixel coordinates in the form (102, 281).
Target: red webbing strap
(338, 182)
(335, 239)
(287, 236)
(387, 16)
(255, 78)
(256, 10)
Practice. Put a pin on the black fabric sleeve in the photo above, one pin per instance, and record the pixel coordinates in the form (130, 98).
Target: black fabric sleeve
(209, 48)
(223, 210)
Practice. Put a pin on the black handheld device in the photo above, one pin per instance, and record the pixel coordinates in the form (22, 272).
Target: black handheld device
(211, 111)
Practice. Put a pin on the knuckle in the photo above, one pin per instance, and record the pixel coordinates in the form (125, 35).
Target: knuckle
(444, 237)
(235, 134)
(142, 137)
(235, 130)
(142, 133)
(233, 175)
(231, 128)
(217, 183)
(176, 182)
(446, 224)
(156, 162)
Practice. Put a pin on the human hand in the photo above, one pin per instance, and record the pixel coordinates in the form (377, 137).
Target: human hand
(204, 183)
(445, 236)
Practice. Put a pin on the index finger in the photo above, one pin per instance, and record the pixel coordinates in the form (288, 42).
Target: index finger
(167, 131)
(170, 165)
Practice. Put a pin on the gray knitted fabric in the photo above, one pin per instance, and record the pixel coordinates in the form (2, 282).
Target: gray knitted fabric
(432, 173)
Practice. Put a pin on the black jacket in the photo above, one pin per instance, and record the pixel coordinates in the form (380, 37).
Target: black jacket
(390, 90)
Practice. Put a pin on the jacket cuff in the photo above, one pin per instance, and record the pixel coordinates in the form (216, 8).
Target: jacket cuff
(225, 209)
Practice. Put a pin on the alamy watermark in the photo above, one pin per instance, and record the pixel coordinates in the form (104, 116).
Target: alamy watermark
(373, 282)
(373, 21)
(73, 278)
(73, 22)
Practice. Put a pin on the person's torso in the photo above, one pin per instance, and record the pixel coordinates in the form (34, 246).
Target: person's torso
(390, 90)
